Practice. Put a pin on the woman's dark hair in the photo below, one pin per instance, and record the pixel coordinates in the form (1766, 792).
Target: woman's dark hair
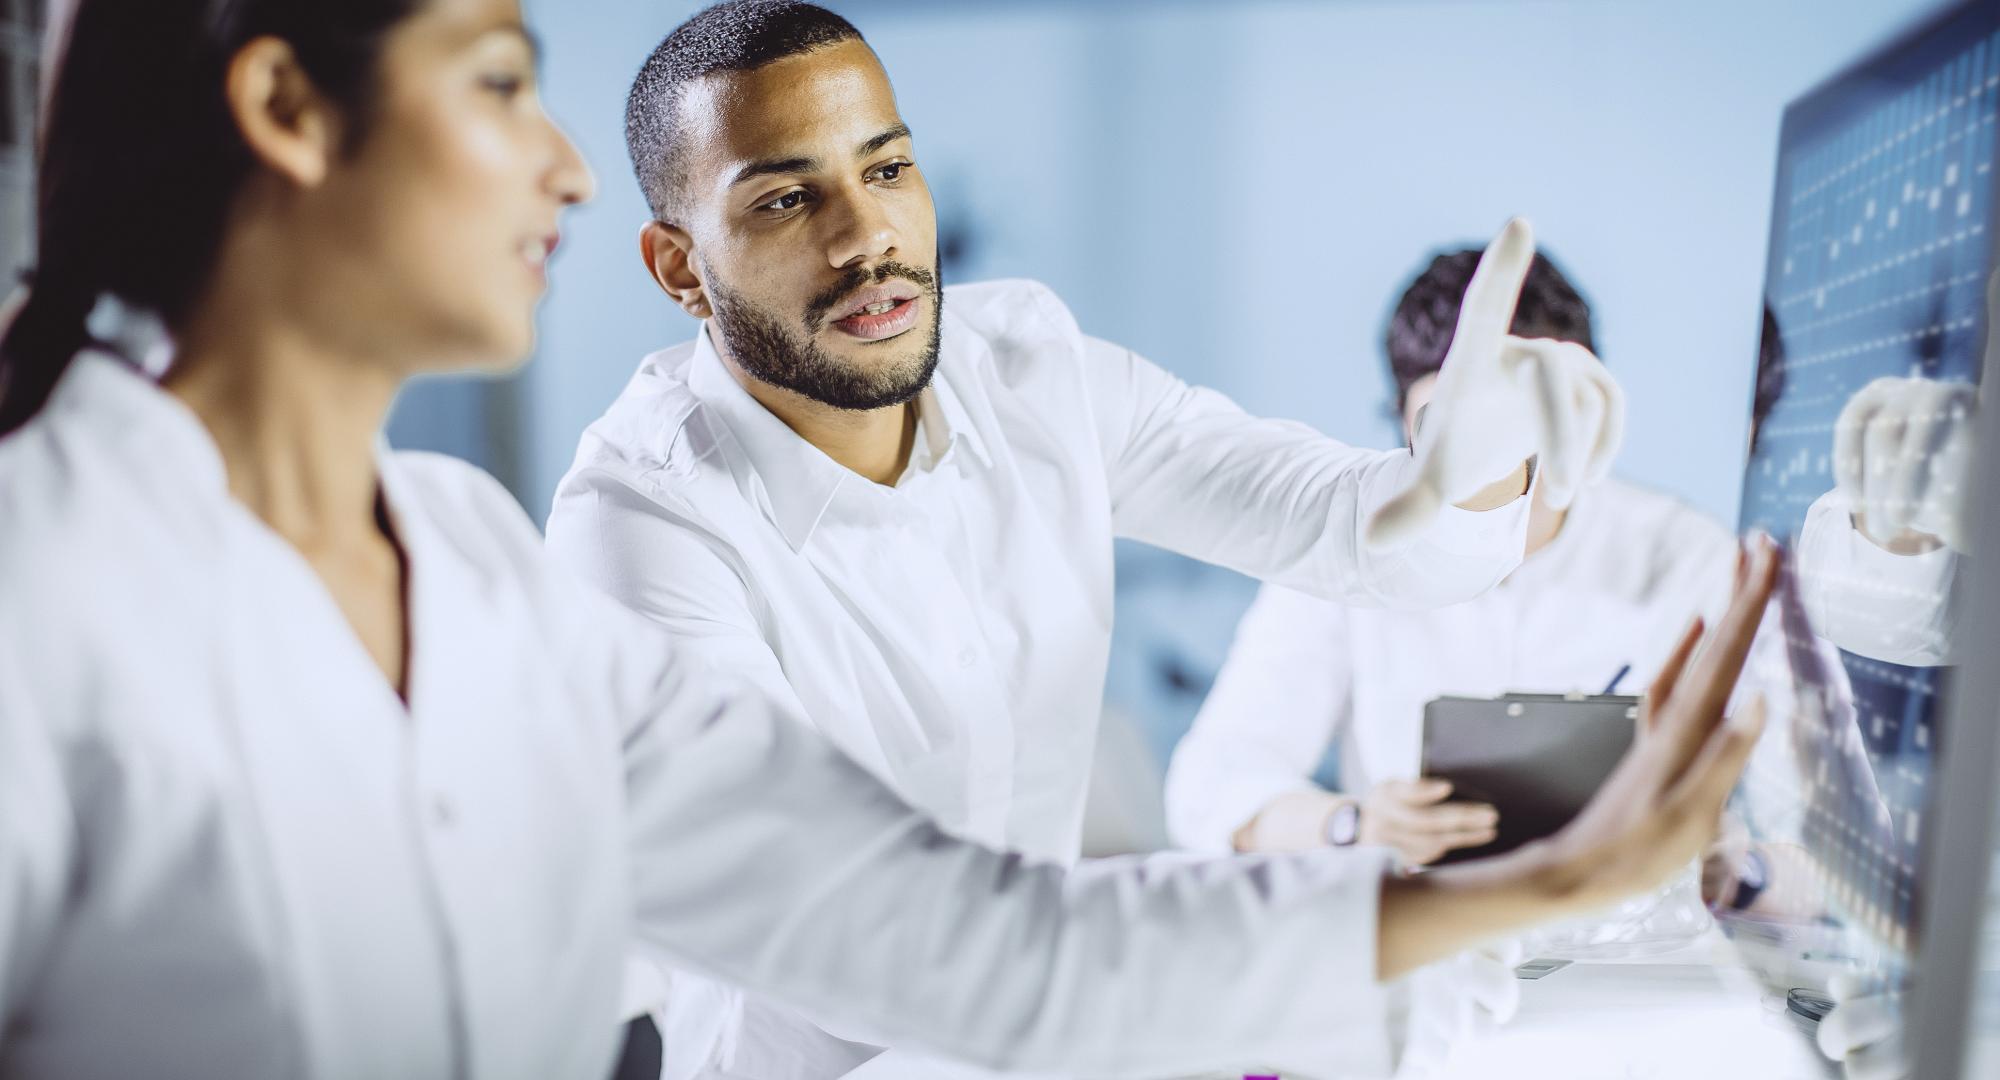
(140, 143)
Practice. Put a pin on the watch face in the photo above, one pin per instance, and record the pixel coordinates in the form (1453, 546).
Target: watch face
(1344, 826)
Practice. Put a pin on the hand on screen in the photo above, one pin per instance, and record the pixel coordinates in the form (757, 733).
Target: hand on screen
(1902, 455)
(1501, 400)
(1412, 817)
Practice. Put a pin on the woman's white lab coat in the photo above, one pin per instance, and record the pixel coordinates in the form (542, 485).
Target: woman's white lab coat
(227, 848)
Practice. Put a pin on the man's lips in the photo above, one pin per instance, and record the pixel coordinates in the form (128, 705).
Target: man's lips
(872, 322)
(876, 296)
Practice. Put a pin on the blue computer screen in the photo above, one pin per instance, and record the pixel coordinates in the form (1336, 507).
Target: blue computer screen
(1875, 335)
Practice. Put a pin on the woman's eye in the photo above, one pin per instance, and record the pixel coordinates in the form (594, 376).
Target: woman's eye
(504, 85)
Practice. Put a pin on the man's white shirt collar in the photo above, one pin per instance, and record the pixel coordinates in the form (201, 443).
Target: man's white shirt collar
(798, 479)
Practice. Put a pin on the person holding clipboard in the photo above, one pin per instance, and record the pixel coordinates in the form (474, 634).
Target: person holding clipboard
(1594, 608)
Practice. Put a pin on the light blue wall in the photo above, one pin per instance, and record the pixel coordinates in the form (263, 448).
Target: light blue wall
(1240, 191)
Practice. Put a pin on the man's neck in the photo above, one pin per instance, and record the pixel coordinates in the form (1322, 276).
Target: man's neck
(873, 443)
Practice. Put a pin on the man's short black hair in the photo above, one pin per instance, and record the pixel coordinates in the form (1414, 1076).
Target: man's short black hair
(740, 35)
(1421, 328)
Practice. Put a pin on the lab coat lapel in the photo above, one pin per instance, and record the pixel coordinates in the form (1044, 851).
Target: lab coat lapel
(324, 742)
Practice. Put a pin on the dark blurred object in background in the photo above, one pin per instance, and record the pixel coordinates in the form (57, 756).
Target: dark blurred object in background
(20, 45)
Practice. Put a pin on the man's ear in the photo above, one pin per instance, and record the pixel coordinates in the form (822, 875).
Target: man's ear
(669, 254)
(290, 128)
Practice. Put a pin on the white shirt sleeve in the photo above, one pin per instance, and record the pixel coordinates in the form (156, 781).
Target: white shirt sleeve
(1191, 472)
(764, 857)
(1276, 706)
(1889, 607)
(37, 830)
(658, 564)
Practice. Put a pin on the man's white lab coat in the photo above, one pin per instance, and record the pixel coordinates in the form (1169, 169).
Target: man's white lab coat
(951, 632)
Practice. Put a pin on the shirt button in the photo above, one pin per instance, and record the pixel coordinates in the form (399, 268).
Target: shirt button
(443, 814)
(966, 656)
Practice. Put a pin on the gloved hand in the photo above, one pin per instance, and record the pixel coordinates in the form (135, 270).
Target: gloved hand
(1864, 1032)
(1902, 458)
(1501, 400)
(1453, 1001)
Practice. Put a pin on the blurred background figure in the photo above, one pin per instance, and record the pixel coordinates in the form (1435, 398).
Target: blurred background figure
(1305, 676)
(1312, 734)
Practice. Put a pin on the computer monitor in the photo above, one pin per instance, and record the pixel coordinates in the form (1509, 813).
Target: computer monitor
(1876, 336)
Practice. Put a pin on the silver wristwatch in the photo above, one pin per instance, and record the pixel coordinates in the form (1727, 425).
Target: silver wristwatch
(1343, 826)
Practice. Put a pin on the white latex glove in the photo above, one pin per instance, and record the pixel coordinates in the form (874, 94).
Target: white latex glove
(1902, 457)
(1864, 1032)
(1501, 400)
(1456, 1000)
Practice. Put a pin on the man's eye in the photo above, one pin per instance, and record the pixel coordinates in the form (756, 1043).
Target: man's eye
(790, 200)
(892, 171)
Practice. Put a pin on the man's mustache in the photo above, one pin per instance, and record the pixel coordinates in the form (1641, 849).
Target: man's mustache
(856, 278)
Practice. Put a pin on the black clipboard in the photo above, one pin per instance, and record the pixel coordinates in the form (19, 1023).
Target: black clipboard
(1538, 758)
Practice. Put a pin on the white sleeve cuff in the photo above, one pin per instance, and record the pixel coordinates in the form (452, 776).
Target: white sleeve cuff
(1231, 803)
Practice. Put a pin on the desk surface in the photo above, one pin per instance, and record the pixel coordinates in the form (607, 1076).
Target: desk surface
(1694, 1013)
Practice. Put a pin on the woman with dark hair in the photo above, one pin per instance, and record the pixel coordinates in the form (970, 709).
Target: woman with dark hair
(310, 766)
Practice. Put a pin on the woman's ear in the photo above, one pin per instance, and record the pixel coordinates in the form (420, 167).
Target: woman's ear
(669, 255)
(290, 128)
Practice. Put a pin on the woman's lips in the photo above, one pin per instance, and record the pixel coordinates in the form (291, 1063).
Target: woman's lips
(879, 327)
(536, 251)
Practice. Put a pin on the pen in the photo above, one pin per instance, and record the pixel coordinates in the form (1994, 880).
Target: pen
(1618, 678)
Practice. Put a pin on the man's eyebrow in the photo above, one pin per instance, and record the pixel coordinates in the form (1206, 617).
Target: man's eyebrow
(788, 166)
(774, 167)
(900, 131)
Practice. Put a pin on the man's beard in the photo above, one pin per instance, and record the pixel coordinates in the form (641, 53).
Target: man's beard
(771, 352)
